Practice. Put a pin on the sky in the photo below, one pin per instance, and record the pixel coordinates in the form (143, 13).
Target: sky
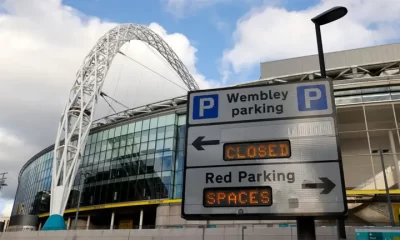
(221, 42)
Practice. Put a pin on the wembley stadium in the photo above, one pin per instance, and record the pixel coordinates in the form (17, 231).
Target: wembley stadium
(131, 172)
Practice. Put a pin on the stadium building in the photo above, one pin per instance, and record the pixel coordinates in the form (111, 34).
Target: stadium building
(131, 171)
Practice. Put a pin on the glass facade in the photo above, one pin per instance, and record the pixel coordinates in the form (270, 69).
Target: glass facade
(143, 159)
(140, 160)
(34, 186)
(363, 130)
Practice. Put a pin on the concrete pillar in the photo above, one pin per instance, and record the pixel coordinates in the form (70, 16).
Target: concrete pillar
(69, 223)
(112, 220)
(394, 153)
(141, 219)
(88, 222)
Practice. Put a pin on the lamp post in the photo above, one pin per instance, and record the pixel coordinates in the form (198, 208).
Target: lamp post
(390, 209)
(84, 175)
(326, 17)
(3, 180)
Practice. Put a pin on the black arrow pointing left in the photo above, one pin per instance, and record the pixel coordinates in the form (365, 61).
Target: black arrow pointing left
(199, 143)
(327, 185)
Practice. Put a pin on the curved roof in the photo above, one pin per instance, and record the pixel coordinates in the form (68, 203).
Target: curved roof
(360, 57)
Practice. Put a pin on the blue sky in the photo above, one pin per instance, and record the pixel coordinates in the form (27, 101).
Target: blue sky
(209, 28)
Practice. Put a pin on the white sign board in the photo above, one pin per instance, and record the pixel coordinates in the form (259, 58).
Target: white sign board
(263, 152)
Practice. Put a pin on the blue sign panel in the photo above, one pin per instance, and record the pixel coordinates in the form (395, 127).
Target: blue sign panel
(312, 97)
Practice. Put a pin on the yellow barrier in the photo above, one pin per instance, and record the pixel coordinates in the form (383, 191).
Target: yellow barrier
(165, 201)
(118, 205)
(371, 192)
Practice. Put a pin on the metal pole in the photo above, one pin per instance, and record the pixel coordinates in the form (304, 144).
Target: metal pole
(386, 188)
(320, 51)
(141, 219)
(305, 228)
(79, 201)
(243, 228)
(3, 180)
(339, 222)
(340, 228)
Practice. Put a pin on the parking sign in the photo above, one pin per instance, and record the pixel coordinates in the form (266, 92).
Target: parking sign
(205, 106)
(312, 97)
(263, 152)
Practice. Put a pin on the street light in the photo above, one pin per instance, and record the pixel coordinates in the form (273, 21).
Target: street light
(326, 17)
(84, 175)
(3, 180)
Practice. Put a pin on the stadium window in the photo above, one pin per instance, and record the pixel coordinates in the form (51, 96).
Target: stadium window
(121, 152)
(160, 132)
(179, 161)
(162, 120)
(153, 135)
(178, 177)
(128, 150)
(108, 154)
(117, 131)
(105, 135)
(124, 129)
(129, 139)
(111, 133)
(152, 146)
(137, 137)
(170, 119)
(160, 145)
(143, 148)
(123, 141)
(131, 128)
(114, 153)
(146, 124)
(102, 156)
(92, 148)
(94, 137)
(116, 142)
(169, 144)
(158, 162)
(153, 123)
(181, 120)
(178, 191)
(167, 161)
(100, 136)
(169, 131)
(138, 126)
(145, 136)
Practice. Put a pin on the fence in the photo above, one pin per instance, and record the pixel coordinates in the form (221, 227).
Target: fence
(216, 224)
(220, 233)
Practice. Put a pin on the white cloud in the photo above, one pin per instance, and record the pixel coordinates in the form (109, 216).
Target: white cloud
(5, 208)
(271, 32)
(43, 45)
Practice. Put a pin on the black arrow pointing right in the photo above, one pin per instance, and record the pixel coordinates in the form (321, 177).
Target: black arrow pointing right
(327, 185)
(199, 143)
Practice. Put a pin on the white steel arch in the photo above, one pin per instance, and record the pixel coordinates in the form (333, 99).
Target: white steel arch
(78, 114)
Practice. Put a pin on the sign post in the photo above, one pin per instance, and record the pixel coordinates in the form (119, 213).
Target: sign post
(263, 152)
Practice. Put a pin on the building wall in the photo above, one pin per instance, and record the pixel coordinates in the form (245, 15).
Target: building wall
(362, 130)
(334, 60)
